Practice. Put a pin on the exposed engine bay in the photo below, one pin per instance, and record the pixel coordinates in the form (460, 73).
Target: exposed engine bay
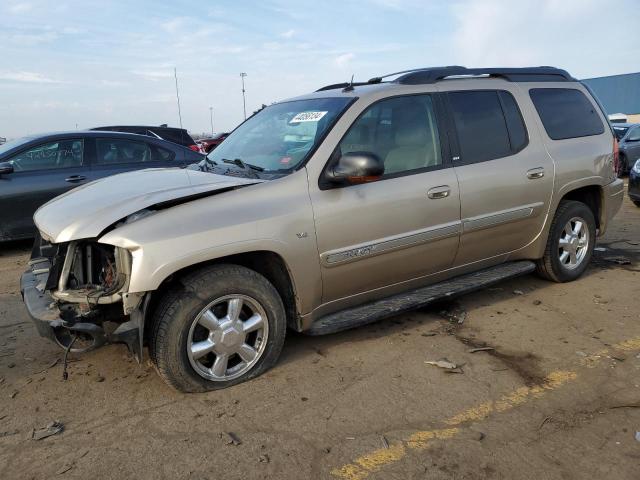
(88, 272)
(81, 287)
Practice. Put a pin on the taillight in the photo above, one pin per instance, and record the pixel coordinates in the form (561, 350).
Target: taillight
(616, 155)
(195, 148)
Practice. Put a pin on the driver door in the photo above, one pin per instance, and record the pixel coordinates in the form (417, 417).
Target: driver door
(375, 237)
(41, 172)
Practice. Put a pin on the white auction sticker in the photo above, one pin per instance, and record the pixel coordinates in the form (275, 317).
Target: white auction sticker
(308, 117)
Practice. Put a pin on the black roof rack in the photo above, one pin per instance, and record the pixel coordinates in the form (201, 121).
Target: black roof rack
(421, 76)
(525, 74)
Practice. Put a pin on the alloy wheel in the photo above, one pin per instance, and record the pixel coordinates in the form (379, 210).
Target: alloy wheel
(573, 244)
(227, 337)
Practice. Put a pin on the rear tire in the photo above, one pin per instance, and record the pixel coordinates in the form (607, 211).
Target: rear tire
(570, 243)
(247, 337)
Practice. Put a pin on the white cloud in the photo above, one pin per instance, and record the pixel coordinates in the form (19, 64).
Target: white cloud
(344, 59)
(32, 39)
(18, 8)
(173, 25)
(154, 75)
(26, 77)
(288, 34)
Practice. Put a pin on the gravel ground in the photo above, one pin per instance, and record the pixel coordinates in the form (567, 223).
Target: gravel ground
(557, 398)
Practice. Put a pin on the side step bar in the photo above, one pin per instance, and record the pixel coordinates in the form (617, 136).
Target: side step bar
(387, 307)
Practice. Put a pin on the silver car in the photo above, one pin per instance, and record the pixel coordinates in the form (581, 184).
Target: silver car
(326, 212)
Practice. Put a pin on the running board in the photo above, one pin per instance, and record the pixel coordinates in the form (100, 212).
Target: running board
(403, 302)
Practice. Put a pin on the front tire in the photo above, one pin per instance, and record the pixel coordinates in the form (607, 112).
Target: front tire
(570, 243)
(225, 325)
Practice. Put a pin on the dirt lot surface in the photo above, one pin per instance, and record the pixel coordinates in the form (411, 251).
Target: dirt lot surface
(557, 398)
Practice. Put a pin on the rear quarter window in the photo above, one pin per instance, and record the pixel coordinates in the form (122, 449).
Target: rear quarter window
(566, 113)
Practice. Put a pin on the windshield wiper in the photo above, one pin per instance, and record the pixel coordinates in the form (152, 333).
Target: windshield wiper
(242, 164)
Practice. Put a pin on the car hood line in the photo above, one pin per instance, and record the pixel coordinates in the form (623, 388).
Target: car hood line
(87, 211)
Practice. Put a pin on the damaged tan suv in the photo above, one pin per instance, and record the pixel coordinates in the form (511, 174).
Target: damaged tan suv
(326, 212)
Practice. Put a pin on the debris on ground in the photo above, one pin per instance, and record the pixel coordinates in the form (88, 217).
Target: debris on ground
(385, 442)
(638, 436)
(53, 428)
(233, 439)
(264, 458)
(547, 419)
(479, 436)
(454, 313)
(65, 468)
(9, 433)
(518, 292)
(581, 354)
(429, 334)
(537, 302)
(630, 405)
(633, 242)
(481, 349)
(447, 365)
(618, 260)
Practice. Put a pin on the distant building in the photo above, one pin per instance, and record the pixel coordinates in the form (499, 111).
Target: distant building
(618, 94)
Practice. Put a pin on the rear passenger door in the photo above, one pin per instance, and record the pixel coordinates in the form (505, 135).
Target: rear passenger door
(119, 155)
(505, 180)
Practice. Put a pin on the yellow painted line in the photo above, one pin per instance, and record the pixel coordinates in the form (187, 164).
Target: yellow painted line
(374, 461)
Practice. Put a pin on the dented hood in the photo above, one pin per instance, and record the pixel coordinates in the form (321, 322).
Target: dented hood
(86, 211)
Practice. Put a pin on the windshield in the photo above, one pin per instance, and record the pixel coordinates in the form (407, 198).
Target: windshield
(279, 137)
(13, 144)
(620, 131)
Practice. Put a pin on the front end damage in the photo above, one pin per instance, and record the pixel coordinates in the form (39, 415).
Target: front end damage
(76, 294)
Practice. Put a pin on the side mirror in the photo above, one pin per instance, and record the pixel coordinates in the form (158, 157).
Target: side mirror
(5, 167)
(356, 167)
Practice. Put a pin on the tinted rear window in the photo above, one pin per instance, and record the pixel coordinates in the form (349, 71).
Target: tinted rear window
(488, 123)
(566, 113)
(515, 125)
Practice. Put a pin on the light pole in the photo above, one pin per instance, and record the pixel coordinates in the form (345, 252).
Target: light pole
(175, 74)
(244, 103)
(211, 116)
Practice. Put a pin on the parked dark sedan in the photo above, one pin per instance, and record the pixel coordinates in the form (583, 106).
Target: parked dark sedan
(33, 170)
(628, 135)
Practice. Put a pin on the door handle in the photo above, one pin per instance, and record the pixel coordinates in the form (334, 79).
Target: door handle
(439, 192)
(75, 178)
(535, 173)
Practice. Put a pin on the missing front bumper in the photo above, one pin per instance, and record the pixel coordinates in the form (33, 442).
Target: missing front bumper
(61, 327)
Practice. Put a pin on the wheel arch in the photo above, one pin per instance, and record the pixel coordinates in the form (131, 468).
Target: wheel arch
(592, 196)
(269, 264)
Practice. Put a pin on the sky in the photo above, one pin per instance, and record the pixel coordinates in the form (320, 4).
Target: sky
(69, 64)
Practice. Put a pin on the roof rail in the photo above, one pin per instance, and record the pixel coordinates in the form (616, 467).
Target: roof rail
(421, 76)
(525, 74)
